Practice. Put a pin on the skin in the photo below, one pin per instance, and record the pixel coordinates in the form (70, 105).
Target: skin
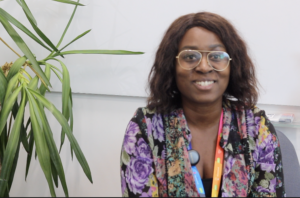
(202, 108)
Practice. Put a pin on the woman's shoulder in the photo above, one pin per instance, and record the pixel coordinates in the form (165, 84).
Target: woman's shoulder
(264, 129)
(254, 110)
(144, 112)
(258, 112)
(146, 117)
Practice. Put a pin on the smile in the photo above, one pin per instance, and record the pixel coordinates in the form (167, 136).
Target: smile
(204, 83)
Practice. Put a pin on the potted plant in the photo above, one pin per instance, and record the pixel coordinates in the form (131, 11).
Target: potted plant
(19, 89)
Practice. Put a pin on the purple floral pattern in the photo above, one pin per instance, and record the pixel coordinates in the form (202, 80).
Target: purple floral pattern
(143, 149)
(154, 158)
(137, 174)
(158, 130)
(130, 137)
(123, 182)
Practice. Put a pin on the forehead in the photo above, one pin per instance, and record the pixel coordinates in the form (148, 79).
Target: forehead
(201, 39)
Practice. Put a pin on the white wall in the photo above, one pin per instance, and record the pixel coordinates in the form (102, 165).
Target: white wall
(100, 123)
(269, 27)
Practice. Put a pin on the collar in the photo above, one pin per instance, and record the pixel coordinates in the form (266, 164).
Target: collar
(233, 141)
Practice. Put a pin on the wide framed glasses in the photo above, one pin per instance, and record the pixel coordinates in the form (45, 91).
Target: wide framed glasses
(189, 59)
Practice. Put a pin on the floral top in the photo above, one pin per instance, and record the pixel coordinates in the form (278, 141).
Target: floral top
(155, 162)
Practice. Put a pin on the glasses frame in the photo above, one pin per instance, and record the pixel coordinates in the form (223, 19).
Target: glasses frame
(201, 59)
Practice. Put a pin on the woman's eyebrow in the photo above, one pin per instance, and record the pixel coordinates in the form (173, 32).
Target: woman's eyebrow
(216, 45)
(189, 47)
(211, 47)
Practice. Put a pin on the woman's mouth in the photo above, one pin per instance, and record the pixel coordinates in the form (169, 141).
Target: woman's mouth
(205, 85)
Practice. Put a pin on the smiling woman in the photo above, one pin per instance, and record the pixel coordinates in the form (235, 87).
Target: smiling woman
(201, 84)
(202, 97)
(242, 81)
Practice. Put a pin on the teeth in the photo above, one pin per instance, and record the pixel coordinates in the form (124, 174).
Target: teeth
(205, 83)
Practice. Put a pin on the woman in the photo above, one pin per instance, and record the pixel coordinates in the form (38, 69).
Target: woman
(203, 95)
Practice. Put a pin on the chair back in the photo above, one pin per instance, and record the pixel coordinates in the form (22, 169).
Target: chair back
(291, 167)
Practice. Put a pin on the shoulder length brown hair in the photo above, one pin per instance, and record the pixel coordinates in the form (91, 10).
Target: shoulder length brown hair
(164, 94)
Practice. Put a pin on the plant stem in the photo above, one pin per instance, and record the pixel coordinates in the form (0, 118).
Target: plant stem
(9, 47)
(25, 66)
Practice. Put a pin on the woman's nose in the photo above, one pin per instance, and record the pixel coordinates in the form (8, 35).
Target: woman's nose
(203, 66)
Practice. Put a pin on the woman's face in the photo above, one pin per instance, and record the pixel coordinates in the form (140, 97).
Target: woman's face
(191, 83)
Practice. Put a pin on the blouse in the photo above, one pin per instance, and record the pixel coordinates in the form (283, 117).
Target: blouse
(154, 157)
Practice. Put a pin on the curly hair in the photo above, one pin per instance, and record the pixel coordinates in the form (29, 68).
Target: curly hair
(164, 94)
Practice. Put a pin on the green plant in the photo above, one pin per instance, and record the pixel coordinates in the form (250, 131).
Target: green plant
(18, 89)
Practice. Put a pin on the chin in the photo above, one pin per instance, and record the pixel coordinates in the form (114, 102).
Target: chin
(207, 100)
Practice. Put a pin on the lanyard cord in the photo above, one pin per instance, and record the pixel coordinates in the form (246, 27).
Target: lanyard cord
(219, 158)
(218, 166)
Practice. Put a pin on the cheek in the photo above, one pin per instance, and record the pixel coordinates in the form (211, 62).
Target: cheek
(182, 77)
(225, 77)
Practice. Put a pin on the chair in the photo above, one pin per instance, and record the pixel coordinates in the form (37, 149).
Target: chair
(291, 167)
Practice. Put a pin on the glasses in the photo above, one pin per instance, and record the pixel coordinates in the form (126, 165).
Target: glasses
(189, 59)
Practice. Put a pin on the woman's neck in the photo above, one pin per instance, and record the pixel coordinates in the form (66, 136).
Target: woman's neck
(202, 115)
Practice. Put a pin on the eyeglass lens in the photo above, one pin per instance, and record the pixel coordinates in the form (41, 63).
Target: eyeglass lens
(190, 59)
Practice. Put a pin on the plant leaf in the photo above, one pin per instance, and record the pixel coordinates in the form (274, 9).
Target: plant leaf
(23, 4)
(16, 67)
(11, 148)
(22, 45)
(3, 139)
(64, 123)
(24, 138)
(11, 84)
(57, 74)
(52, 66)
(40, 141)
(67, 27)
(31, 143)
(35, 27)
(112, 52)
(22, 28)
(3, 87)
(71, 119)
(7, 107)
(69, 2)
(23, 71)
(14, 166)
(33, 83)
(70, 104)
(55, 158)
(27, 124)
(43, 88)
(65, 96)
(54, 174)
(78, 37)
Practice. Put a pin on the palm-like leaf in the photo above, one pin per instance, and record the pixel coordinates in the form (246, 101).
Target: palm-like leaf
(24, 48)
(22, 27)
(31, 89)
(69, 2)
(3, 85)
(112, 52)
(11, 148)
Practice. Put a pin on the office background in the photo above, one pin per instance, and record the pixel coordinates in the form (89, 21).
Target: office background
(108, 89)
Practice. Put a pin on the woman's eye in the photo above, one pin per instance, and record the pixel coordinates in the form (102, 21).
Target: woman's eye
(216, 57)
(190, 57)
